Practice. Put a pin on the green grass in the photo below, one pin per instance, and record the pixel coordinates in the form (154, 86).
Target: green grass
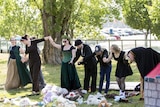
(52, 76)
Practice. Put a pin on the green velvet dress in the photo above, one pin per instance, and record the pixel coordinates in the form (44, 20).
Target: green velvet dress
(24, 74)
(69, 76)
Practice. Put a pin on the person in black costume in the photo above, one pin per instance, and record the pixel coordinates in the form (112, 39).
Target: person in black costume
(34, 60)
(123, 68)
(42, 83)
(90, 64)
(146, 59)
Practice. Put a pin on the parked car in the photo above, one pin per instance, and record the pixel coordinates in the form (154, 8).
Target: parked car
(110, 36)
(116, 35)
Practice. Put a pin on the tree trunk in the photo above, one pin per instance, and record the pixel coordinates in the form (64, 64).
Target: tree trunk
(55, 24)
(146, 38)
(50, 54)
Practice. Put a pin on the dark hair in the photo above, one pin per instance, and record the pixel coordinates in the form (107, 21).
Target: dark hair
(32, 38)
(25, 37)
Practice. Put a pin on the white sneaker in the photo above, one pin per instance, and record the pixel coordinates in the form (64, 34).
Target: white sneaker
(124, 94)
(120, 92)
(117, 98)
(84, 91)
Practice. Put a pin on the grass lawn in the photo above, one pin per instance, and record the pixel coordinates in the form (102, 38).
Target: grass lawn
(52, 76)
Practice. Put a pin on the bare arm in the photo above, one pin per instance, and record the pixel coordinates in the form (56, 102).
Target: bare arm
(106, 60)
(125, 56)
(58, 46)
(73, 55)
(25, 58)
(21, 51)
(47, 38)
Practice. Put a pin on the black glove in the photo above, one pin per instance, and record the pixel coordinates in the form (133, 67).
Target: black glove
(80, 63)
(94, 53)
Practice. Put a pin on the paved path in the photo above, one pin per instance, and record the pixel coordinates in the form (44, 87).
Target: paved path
(129, 85)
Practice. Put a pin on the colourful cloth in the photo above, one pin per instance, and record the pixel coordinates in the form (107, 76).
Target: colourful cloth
(155, 72)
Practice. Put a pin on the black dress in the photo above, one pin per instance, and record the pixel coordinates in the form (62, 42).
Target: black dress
(123, 69)
(34, 63)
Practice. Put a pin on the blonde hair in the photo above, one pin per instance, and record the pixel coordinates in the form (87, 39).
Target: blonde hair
(116, 48)
(12, 38)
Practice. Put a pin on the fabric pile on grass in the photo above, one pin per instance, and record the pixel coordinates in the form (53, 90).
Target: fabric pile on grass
(97, 99)
(61, 97)
(21, 102)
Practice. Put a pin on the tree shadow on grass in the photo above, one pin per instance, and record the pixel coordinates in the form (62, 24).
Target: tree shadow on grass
(19, 92)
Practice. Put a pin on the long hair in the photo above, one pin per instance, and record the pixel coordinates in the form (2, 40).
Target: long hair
(116, 48)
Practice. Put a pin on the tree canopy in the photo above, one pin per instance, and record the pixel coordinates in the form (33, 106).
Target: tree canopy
(142, 15)
(75, 18)
(18, 18)
(136, 14)
(154, 9)
(85, 16)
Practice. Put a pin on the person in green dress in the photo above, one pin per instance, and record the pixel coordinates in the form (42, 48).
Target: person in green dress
(69, 76)
(17, 74)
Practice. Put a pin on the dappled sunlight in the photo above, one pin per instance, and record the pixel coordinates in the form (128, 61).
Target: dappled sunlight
(16, 92)
(3, 68)
(53, 72)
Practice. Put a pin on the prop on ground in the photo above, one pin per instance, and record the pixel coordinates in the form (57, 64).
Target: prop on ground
(61, 97)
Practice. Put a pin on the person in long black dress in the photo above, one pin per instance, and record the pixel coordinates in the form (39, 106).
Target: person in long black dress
(69, 76)
(123, 68)
(90, 64)
(146, 59)
(34, 60)
(42, 83)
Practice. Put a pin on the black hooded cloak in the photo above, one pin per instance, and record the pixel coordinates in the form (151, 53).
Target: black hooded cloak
(146, 59)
